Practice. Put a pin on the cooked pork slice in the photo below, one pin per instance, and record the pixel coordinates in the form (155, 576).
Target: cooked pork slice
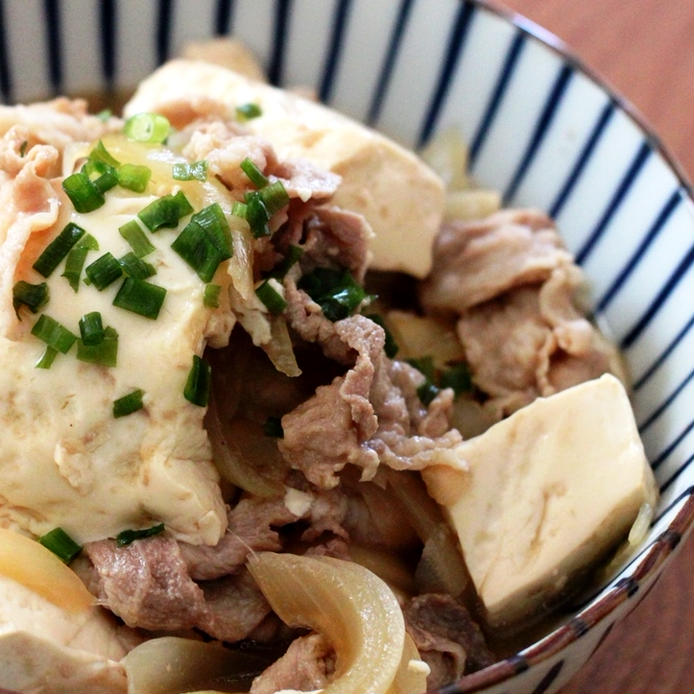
(308, 664)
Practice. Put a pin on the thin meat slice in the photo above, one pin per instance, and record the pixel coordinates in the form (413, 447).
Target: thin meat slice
(308, 664)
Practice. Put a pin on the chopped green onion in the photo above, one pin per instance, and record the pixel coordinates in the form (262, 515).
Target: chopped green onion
(458, 377)
(268, 293)
(239, 209)
(247, 111)
(132, 402)
(147, 127)
(102, 175)
(104, 354)
(53, 333)
(213, 220)
(165, 212)
(256, 176)
(134, 267)
(210, 297)
(91, 328)
(336, 291)
(275, 197)
(104, 115)
(125, 537)
(83, 192)
(57, 249)
(61, 544)
(133, 177)
(34, 296)
(47, 358)
(424, 365)
(391, 346)
(273, 427)
(197, 388)
(140, 297)
(23, 148)
(100, 153)
(103, 271)
(133, 234)
(289, 260)
(76, 258)
(183, 171)
(427, 392)
(199, 250)
(257, 214)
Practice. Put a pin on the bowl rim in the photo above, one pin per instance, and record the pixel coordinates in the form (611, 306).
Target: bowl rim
(652, 559)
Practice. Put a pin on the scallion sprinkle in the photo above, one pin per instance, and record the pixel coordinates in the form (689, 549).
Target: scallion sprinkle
(47, 358)
(210, 296)
(133, 234)
(198, 249)
(134, 267)
(104, 271)
(427, 392)
(61, 544)
(424, 365)
(140, 297)
(275, 197)
(104, 115)
(83, 192)
(125, 537)
(53, 333)
(76, 258)
(269, 293)
(239, 209)
(100, 153)
(336, 291)
(23, 148)
(133, 177)
(257, 214)
(273, 427)
(255, 175)
(197, 388)
(185, 171)
(245, 112)
(213, 220)
(289, 260)
(165, 212)
(458, 377)
(91, 328)
(57, 249)
(147, 127)
(391, 346)
(105, 353)
(33, 296)
(132, 402)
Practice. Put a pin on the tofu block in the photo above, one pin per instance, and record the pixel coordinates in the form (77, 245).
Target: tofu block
(400, 196)
(547, 492)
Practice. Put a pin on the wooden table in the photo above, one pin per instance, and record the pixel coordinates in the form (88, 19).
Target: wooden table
(645, 50)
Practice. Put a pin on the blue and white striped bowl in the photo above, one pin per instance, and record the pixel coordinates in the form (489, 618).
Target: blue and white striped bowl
(541, 129)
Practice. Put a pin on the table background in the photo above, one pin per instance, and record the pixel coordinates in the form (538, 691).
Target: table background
(645, 50)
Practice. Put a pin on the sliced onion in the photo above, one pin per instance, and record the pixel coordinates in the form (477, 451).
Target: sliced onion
(441, 568)
(385, 565)
(171, 664)
(411, 677)
(31, 564)
(447, 155)
(280, 349)
(241, 262)
(354, 609)
(423, 512)
(471, 204)
(470, 418)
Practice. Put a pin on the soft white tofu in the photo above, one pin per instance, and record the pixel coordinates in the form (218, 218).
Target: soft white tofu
(399, 195)
(547, 492)
(44, 648)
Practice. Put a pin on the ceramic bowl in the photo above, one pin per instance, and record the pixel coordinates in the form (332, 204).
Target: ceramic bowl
(541, 129)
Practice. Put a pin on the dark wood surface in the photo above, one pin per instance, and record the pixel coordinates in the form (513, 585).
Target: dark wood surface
(645, 50)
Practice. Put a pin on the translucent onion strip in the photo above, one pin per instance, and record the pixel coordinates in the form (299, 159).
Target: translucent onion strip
(31, 564)
(354, 609)
(411, 677)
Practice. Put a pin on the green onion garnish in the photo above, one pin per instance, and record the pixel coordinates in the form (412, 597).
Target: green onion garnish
(273, 427)
(184, 171)
(34, 296)
(102, 175)
(165, 212)
(198, 249)
(53, 333)
(47, 358)
(147, 127)
(458, 377)
(132, 402)
(391, 346)
(91, 328)
(133, 234)
(197, 388)
(140, 297)
(247, 111)
(76, 258)
(210, 297)
(104, 115)
(289, 260)
(57, 249)
(275, 197)
(256, 176)
(133, 177)
(239, 209)
(103, 271)
(213, 220)
(134, 267)
(125, 537)
(23, 148)
(100, 153)
(105, 353)
(424, 365)
(427, 392)
(257, 214)
(61, 544)
(336, 291)
(269, 294)
(83, 192)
